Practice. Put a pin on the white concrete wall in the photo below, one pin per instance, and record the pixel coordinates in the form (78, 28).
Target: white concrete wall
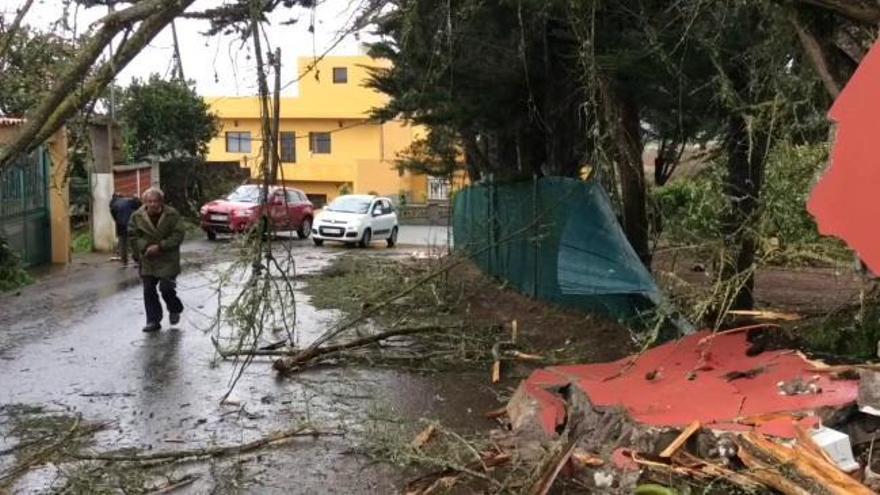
(103, 226)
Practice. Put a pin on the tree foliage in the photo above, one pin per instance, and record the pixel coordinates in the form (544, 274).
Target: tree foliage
(32, 62)
(165, 119)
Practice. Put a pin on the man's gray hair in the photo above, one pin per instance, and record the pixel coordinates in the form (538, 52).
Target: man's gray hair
(151, 191)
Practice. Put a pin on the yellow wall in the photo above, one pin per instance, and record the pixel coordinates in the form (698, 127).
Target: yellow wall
(362, 151)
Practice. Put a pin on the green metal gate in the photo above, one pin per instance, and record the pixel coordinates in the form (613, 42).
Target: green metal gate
(24, 207)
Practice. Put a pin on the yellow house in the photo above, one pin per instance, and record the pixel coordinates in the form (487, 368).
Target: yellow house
(328, 144)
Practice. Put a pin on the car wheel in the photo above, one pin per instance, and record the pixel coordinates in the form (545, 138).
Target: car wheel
(212, 236)
(366, 239)
(318, 242)
(305, 229)
(392, 239)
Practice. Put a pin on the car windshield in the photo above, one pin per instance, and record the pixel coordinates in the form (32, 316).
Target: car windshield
(245, 194)
(349, 205)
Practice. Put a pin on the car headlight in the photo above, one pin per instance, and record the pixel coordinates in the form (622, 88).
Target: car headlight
(203, 210)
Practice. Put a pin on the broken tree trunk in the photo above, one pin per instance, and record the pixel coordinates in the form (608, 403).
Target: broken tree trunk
(805, 472)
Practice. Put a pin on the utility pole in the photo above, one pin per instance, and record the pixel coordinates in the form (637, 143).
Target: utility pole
(179, 71)
(276, 117)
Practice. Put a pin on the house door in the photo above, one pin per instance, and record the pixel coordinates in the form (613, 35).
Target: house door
(24, 208)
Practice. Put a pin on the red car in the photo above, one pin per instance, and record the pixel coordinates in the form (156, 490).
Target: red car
(288, 209)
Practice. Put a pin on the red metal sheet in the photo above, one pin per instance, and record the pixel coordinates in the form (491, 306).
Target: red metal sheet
(679, 382)
(845, 201)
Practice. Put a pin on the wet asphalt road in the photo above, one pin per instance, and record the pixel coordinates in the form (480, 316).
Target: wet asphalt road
(72, 342)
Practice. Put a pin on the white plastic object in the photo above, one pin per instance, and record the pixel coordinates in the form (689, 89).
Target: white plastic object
(838, 446)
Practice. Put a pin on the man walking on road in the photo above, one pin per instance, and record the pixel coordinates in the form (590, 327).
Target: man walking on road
(121, 208)
(155, 233)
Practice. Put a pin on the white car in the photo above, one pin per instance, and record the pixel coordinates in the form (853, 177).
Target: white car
(356, 218)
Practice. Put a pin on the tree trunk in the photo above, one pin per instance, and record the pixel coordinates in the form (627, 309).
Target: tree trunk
(474, 159)
(746, 154)
(632, 177)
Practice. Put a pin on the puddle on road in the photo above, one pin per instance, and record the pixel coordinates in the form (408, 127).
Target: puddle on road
(163, 391)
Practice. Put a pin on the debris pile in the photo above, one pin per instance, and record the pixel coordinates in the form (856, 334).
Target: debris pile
(707, 409)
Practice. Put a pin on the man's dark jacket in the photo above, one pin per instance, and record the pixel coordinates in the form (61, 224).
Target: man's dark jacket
(122, 208)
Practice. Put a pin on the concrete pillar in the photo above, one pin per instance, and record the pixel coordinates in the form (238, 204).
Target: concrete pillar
(101, 184)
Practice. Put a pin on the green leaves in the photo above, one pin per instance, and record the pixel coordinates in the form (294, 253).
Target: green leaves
(165, 120)
(30, 67)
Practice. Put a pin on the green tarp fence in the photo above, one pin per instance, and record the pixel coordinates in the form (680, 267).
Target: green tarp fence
(555, 239)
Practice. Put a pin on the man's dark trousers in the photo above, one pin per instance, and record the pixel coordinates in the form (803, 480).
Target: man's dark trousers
(168, 289)
(122, 236)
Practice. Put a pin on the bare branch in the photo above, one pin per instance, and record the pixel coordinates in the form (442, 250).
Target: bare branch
(854, 10)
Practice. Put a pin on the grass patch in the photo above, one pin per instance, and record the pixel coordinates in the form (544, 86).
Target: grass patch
(82, 242)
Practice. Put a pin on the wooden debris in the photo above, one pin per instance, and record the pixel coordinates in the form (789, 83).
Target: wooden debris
(690, 466)
(442, 481)
(496, 413)
(424, 437)
(526, 357)
(514, 331)
(208, 451)
(709, 338)
(496, 372)
(551, 468)
(586, 459)
(766, 315)
(296, 359)
(819, 367)
(680, 440)
(805, 473)
(805, 441)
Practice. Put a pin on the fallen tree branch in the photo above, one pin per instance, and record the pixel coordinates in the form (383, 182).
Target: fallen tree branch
(289, 364)
(276, 438)
(43, 454)
(64, 99)
(333, 349)
(175, 484)
(298, 359)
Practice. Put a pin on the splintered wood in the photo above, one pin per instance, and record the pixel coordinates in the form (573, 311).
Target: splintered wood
(806, 471)
(424, 437)
(680, 440)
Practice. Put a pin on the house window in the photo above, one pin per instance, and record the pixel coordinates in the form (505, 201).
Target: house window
(288, 147)
(340, 75)
(319, 142)
(238, 142)
(438, 189)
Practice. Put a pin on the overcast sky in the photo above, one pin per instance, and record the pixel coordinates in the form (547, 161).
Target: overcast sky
(219, 65)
